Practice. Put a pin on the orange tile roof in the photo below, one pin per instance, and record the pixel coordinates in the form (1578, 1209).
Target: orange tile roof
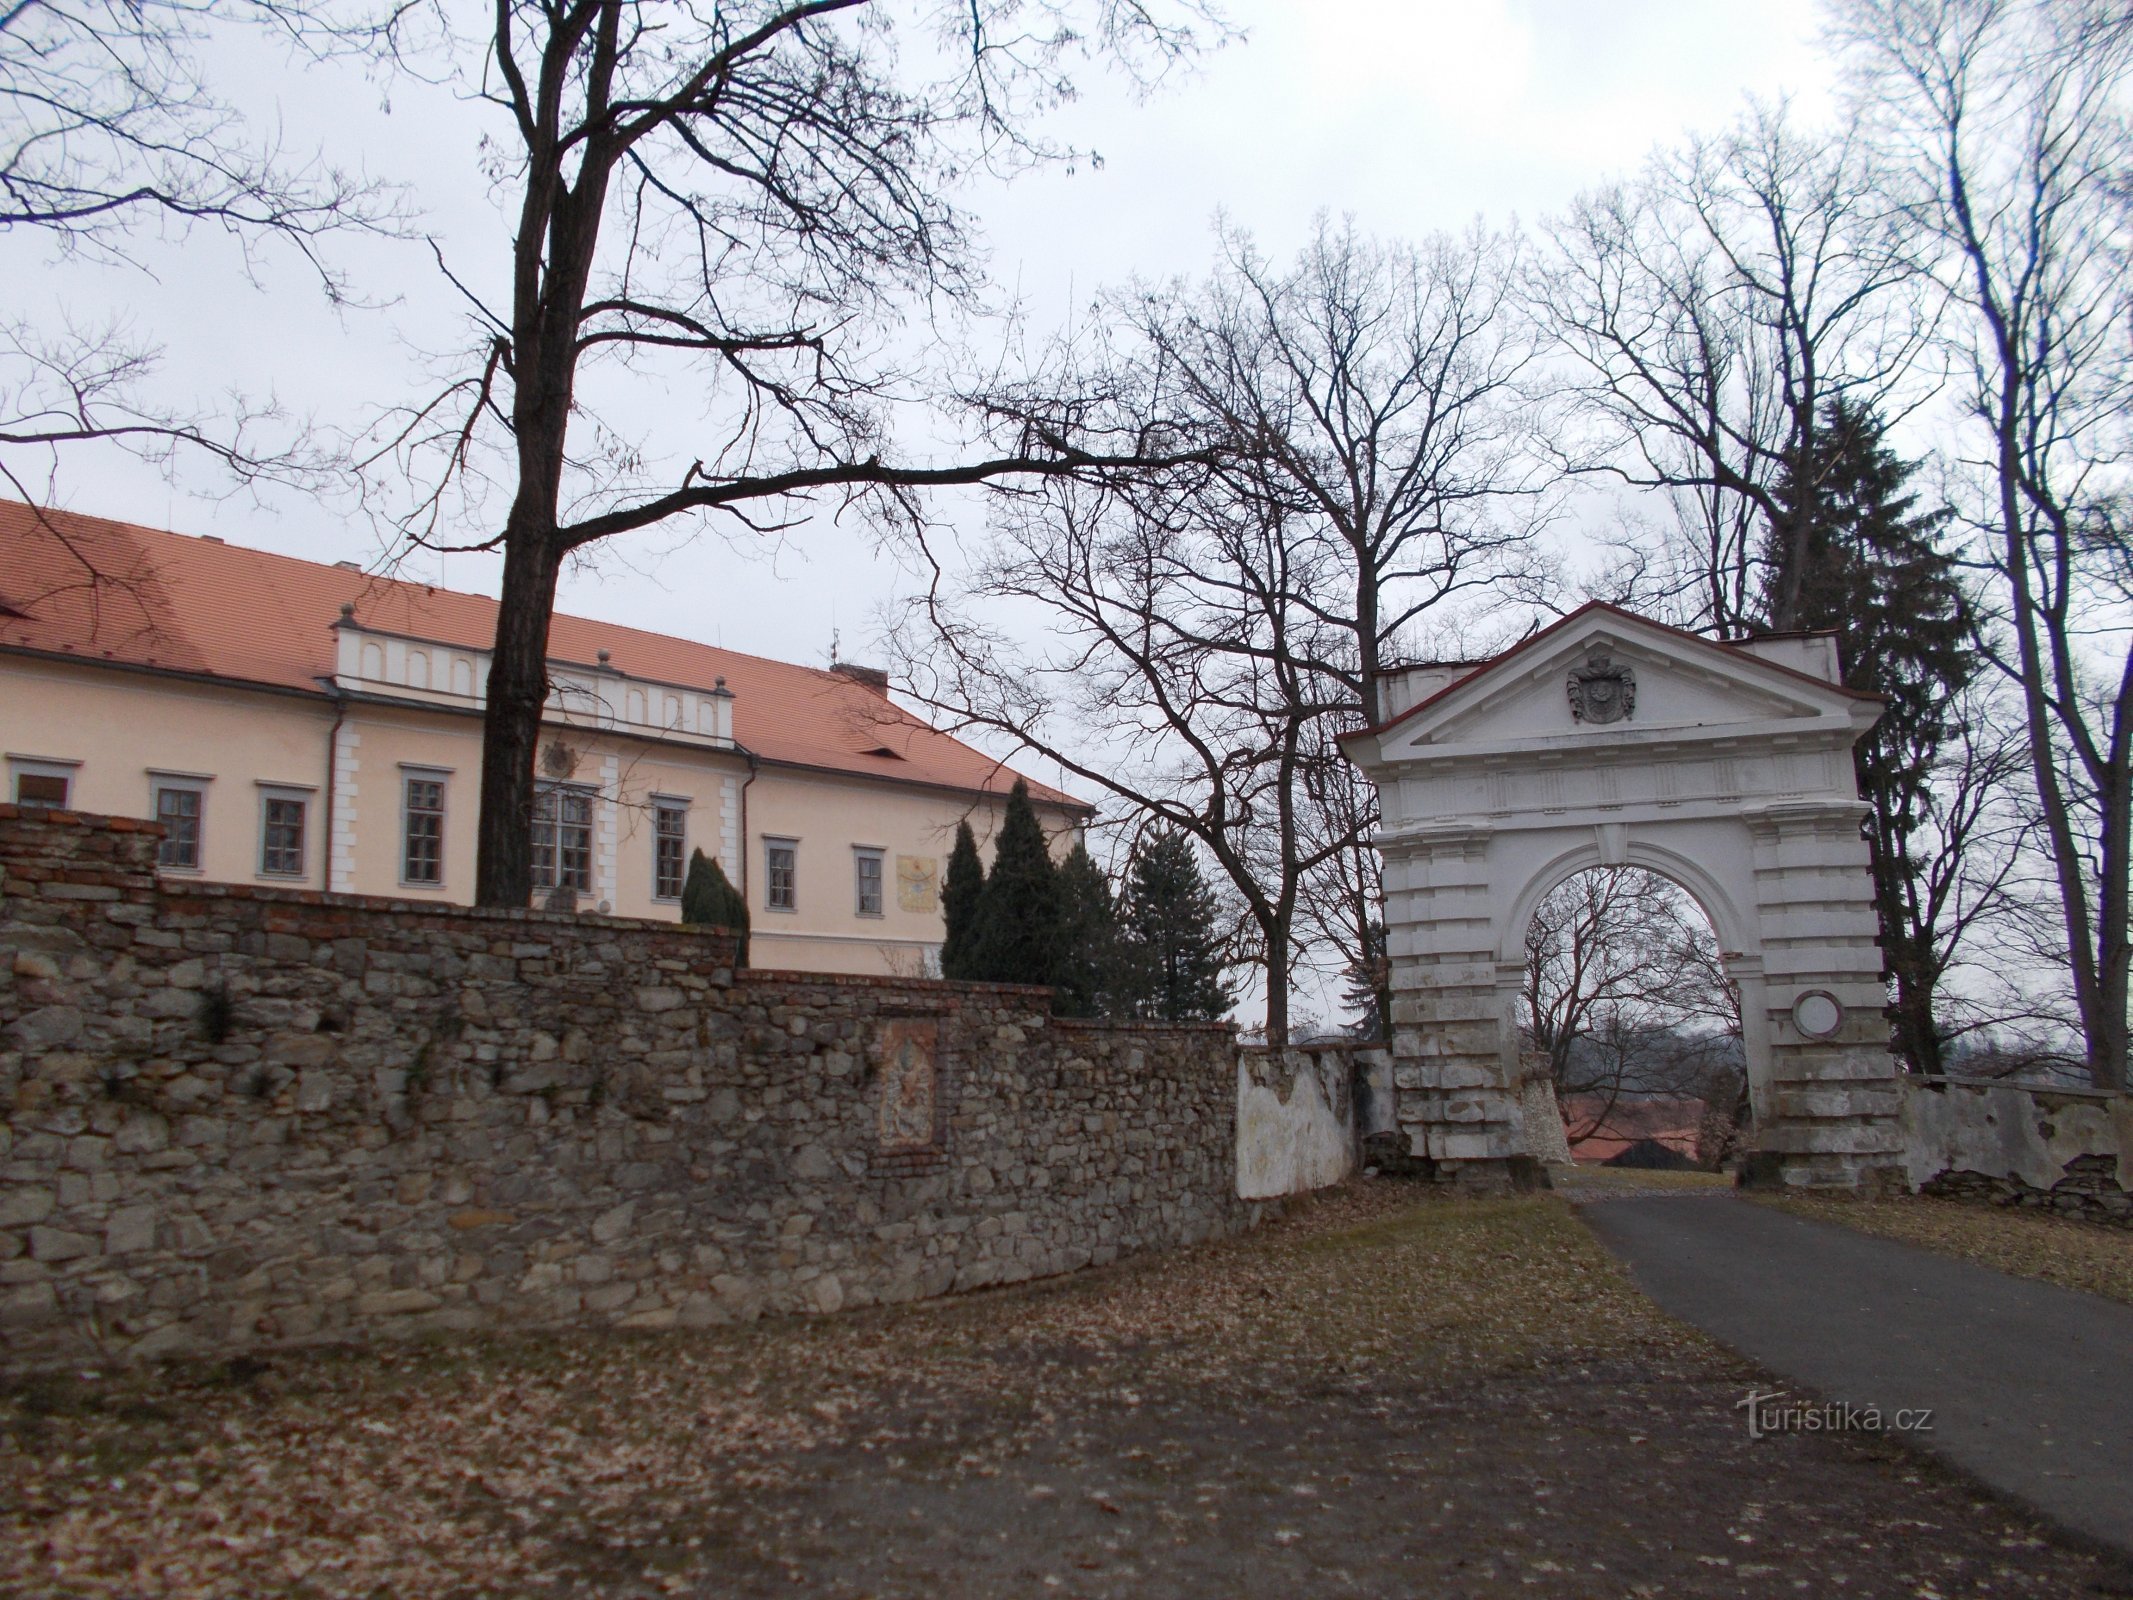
(198, 605)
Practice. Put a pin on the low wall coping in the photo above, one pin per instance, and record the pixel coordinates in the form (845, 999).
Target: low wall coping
(1947, 1080)
(176, 890)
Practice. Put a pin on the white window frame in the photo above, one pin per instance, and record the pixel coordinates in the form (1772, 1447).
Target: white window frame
(61, 767)
(302, 794)
(661, 805)
(194, 783)
(770, 881)
(412, 773)
(862, 853)
(591, 796)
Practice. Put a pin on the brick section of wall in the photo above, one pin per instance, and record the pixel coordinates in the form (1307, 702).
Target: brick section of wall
(238, 1117)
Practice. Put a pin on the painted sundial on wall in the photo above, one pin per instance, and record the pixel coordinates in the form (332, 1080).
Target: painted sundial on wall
(918, 883)
(1818, 1014)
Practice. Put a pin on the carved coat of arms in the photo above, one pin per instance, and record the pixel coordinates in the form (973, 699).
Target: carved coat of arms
(1601, 691)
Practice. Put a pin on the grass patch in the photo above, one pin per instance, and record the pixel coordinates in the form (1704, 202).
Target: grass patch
(1608, 1180)
(2027, 1244)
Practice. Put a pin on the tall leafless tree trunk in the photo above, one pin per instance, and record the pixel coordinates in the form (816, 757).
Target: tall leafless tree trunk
(755, 192)
(2008, 118)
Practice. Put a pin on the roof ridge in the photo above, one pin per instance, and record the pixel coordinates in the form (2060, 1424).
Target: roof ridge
(120, 524)
(801, 712)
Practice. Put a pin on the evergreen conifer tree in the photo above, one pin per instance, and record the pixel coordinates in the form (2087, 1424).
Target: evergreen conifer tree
(1904, 625)
(1171, 956)
(1088, 937)
(709, 900)
(1018, 919)
(962, 903)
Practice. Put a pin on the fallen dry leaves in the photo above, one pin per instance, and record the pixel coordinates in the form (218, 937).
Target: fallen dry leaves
(1240, 1419)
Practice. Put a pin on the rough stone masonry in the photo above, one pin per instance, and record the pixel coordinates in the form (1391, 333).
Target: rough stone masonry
(239, 1117)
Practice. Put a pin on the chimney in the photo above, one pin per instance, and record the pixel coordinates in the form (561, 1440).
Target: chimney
(870, 677)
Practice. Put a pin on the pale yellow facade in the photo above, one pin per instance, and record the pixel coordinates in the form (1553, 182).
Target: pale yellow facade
(339, 767)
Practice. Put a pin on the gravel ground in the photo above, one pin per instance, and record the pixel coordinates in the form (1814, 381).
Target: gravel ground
(1384, 1393)
(2029, 1244)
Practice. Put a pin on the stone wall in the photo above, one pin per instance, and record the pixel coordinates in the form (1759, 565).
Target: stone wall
(239, 1117)
(2060, 1150)
(1301, 1114)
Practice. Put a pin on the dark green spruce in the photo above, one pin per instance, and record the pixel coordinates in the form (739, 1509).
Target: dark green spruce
(1875, 574)
(1171, 950)
(962, 902)
(709, 900)
(1017, 935)
(1088, 937)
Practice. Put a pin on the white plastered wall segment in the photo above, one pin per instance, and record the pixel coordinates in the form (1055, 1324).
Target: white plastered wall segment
(347, 761)
(604, 884)
(1609, 740)
(729, 831)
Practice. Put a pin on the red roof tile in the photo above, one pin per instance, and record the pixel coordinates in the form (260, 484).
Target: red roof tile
(198, 605)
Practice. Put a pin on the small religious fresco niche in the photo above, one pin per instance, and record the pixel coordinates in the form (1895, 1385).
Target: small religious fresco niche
(907, 1115)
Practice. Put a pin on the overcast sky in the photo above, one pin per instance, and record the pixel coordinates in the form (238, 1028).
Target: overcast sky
(1411, 115)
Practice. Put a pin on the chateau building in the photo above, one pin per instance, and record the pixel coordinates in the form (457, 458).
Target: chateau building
(291, 722)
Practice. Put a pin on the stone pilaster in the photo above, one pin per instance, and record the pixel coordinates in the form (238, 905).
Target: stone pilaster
(1453, 1099)
(341, 846)
(1831, 1116)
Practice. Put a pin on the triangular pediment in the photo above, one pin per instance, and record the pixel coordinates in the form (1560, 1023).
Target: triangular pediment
(1604, 676)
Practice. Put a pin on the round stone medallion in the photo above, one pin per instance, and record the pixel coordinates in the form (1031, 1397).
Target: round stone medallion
(1817, 1014)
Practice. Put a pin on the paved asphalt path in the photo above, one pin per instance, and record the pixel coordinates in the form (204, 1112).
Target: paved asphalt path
(2031, 1385)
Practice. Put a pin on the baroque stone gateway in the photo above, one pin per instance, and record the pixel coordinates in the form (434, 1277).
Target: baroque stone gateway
(1726, 767)
(242, 1117)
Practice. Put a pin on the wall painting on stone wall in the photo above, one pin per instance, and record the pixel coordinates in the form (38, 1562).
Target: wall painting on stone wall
(907, 1050)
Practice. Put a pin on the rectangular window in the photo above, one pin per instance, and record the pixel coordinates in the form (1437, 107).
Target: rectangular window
(422, 831)
(781, 874)
(562, 839)
(867, 867)
(670, 849)
(40, 789)
(178, 809)
(41, 781)
(281, 836)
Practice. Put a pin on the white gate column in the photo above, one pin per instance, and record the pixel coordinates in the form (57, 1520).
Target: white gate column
(1831, 1117)
(1453, 1100)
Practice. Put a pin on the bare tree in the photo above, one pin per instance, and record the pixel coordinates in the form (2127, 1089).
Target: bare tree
(114, 142)
(1175, 676)
(1376, 390)
(2007, 121)
(1344, 901)
(1706, 315)
(1373, 474)
(742, 203)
